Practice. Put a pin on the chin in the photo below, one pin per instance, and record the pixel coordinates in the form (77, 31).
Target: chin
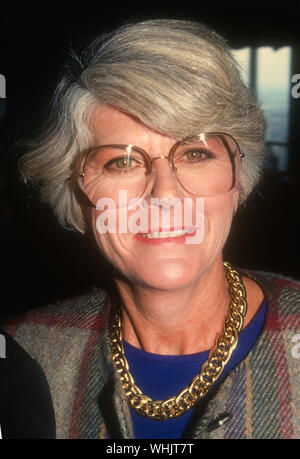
(170, 276)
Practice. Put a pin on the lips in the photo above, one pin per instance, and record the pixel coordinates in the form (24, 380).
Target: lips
(164, 235)
(172, 235)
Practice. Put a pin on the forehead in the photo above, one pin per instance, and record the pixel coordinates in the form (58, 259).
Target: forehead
(110, 125)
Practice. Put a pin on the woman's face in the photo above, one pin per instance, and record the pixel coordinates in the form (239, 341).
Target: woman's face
(165, 263)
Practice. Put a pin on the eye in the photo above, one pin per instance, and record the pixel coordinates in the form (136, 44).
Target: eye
(198, 154)
(122, 162)
(194, 154)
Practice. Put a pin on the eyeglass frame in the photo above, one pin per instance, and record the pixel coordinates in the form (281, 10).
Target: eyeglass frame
(170, 154)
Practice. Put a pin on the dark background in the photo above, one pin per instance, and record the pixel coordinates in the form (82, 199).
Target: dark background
(42, 262)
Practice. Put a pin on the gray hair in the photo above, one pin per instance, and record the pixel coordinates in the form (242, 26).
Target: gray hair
(177, 77)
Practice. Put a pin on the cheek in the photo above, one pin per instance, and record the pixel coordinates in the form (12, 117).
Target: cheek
(105, 226)
(218, 218)
(104, 238)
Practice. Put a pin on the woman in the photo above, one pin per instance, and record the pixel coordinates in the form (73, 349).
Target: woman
(153, 143)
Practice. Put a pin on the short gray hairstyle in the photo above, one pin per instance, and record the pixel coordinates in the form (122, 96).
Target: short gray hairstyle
(177, 77)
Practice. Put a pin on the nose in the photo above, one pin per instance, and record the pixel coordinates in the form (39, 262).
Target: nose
(163, 182)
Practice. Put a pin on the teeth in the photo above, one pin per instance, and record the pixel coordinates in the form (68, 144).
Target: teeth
(162, 234)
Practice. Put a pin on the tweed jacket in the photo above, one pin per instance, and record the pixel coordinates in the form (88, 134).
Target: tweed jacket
(71, 343)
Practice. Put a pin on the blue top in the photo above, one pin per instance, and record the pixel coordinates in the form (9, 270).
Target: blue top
(163, 376)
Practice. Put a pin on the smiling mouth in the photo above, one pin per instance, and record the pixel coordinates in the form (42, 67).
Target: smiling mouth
(164, 234)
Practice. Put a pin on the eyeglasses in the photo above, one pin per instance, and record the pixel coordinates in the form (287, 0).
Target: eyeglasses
(206, 165)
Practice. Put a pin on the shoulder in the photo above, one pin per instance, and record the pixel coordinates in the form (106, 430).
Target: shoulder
(59, 340)
(282, 295)
(50, 329)
(25, 399)
(281, 292)
(272, 365)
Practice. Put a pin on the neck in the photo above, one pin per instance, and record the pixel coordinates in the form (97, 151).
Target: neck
(176, 322)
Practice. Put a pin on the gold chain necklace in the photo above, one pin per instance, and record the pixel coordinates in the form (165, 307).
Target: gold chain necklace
(210, 371)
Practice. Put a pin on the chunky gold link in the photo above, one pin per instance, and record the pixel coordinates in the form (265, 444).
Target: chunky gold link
(210, 371)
